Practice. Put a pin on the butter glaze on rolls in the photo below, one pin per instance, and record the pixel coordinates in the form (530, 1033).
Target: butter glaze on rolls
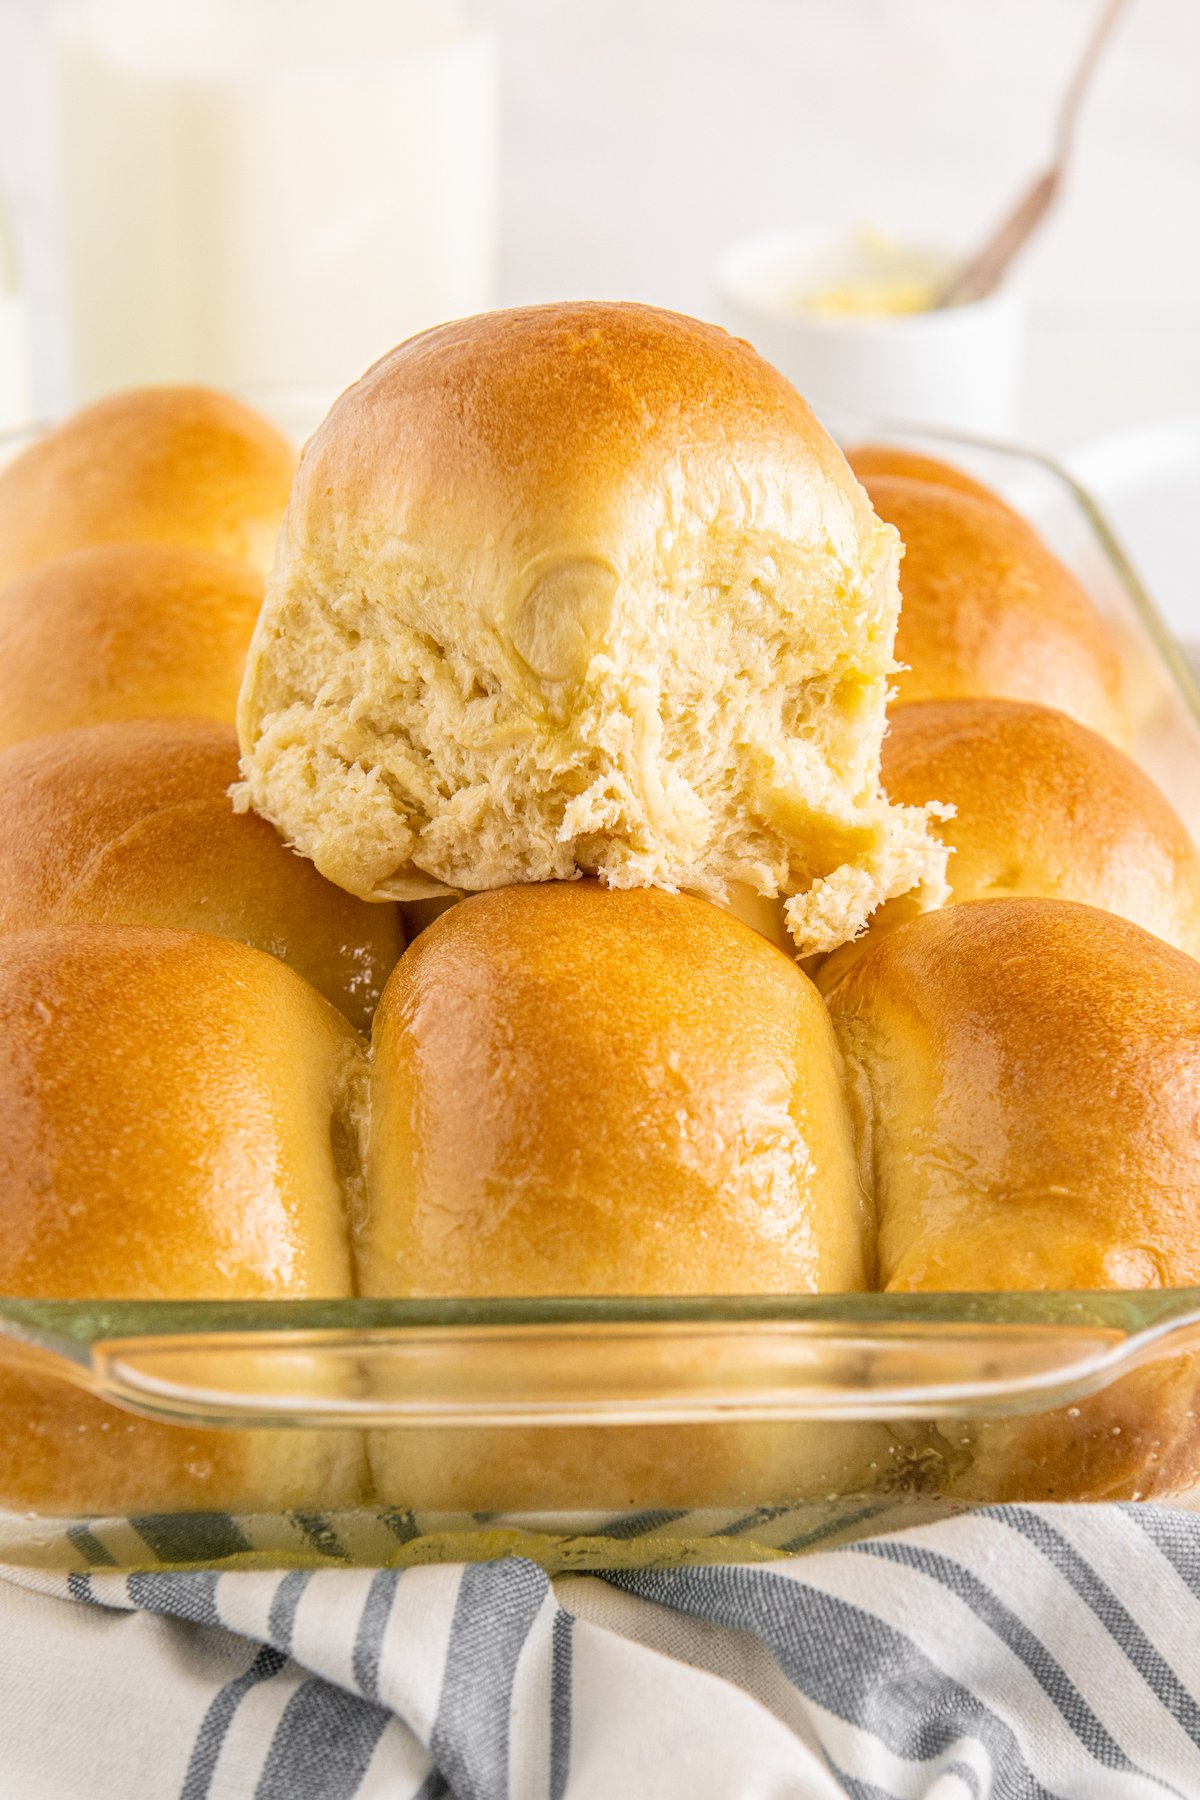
(167, 465)
(1045, 807)
(177, 1116)
(1042, 807)
(131, 824)
(124, 632)
(579, 1091)
(582, 588)
(1028, 1080)
(988, 610)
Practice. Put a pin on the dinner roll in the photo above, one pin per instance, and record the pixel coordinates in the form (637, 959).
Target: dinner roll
(122, 633)
(131, 824)
(1042, 806)
(988, 610)
(171, 465)
(178, 1117)
(1028, 1078)
(582, 588)
(581, 1092)
(872, 460)
(578, 1091)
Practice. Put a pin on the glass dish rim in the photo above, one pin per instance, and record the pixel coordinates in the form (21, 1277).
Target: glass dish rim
(669, 1359)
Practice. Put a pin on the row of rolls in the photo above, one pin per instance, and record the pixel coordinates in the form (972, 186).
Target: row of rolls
(132, 546)
(224, 1077)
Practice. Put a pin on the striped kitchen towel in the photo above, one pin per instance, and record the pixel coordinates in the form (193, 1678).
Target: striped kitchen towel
(1011, 1654)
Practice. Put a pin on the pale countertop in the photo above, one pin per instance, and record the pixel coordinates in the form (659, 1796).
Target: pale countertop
(641, 136)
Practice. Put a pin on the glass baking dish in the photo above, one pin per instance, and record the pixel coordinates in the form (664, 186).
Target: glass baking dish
(608, 1433)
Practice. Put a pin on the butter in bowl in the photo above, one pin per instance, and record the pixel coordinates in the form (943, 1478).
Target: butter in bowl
(852, 319)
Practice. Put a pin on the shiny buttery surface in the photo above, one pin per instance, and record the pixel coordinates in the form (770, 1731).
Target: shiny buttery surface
(1042, 806)
(131, 824)
(1029, 1072)
(169, 1109)
(156, 1142)
(1046, 807)
(587, 1092)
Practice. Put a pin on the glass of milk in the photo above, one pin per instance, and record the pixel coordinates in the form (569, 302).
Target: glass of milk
(269, 194)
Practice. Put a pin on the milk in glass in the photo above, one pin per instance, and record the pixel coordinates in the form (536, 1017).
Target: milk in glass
(271, 193)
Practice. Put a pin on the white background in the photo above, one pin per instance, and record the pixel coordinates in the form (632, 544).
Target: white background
(642, 135)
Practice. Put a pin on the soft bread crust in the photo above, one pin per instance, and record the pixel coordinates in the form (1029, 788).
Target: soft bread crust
(1028, 1073)
(581, 1092)
(173, 465)
(1034, 1075)
(869, 461)
(156, 1143)
(177, 1116)
(131, 824)
(1041, 806)
(585, 1092)
(582, 588)
(124, 632)
(988, 610)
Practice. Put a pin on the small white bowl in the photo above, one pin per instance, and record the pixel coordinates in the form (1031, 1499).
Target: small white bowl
(956, 366)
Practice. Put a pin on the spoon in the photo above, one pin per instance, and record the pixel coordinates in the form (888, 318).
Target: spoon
(983, 271)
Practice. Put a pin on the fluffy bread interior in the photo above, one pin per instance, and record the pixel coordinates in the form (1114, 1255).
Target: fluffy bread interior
(660, 668)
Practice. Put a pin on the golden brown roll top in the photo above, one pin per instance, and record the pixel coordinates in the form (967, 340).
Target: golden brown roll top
(214, 1171)
(584, 1092)
(988, 610)
(131, 824)
(1029, 1078)
(124, 632)
(168, 465)
(177, 1116)
(1029, 1074)
(1043, 807)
